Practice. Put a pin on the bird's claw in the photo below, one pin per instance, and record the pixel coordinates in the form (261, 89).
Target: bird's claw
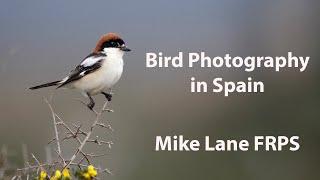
(108, 96)
(90, 106)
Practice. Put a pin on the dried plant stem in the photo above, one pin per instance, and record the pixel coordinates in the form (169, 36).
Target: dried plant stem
(96, 121)
(55, 126)
(80, 136)
(57, 163)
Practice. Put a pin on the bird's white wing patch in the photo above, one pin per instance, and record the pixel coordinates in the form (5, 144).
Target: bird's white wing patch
(90, 64)
(90, 61)
(82, 73)
(64, 79)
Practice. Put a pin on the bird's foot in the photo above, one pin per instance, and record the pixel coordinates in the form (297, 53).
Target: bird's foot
(91, 105)
(108, 96)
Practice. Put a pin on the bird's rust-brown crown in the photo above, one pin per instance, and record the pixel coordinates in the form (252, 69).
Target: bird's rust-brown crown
(106, 38)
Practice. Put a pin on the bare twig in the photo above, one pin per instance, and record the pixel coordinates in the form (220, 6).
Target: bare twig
(105, 126)
(53, 165)
(98, 116)
(52, 140)
(80, 130)
(55, 126)
(100, 142)
(63, 161)
(37, 161)
(96, 155)
(70, 133)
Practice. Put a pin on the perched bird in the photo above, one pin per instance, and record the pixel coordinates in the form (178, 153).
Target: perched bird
(97, 72)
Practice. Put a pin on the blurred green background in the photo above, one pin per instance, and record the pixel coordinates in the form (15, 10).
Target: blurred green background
(43, 40)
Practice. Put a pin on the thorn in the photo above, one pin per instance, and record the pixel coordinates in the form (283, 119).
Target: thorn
(108, 110)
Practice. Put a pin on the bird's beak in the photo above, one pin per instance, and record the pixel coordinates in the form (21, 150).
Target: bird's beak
(125, 48)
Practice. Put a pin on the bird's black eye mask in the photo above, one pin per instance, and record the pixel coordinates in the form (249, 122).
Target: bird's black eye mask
(116, 43)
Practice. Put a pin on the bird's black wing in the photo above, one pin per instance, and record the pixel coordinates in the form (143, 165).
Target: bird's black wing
(90, 64)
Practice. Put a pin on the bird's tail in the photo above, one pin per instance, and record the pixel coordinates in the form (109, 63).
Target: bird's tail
(54, 83)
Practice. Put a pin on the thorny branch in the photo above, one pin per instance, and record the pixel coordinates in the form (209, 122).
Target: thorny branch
(98, 116)
(71, 133)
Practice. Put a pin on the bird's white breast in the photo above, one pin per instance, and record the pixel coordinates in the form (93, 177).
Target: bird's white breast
(103, 78)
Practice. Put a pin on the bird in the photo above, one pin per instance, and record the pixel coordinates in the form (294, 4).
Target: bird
(97, 72)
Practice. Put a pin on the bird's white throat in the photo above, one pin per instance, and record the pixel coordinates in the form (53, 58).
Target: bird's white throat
(113, 52)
